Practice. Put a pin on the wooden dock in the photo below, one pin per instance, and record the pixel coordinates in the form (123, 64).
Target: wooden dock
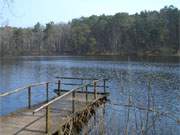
(57, 115)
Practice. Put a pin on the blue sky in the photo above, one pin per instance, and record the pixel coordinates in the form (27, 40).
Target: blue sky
(26, 13)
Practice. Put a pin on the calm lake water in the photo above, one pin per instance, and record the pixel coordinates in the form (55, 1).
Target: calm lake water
(128, 85)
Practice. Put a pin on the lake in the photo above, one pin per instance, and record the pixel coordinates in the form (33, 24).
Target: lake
(144, 92)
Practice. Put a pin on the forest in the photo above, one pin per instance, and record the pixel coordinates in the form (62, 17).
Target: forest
(148, 33)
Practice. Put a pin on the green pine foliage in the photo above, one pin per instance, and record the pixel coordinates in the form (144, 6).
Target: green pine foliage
(144, 33)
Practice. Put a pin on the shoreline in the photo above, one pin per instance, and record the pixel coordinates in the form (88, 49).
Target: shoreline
(93, 55)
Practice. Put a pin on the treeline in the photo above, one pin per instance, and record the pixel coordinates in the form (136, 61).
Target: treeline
(146, 33)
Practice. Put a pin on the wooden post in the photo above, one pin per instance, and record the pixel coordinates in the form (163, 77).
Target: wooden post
(29, 97)
(47, 91)
(48, 120)
(82, 84)
(73, 101)
(104, 85)
(86, 94)
(60, 131)
(59, 87)
(95, 94)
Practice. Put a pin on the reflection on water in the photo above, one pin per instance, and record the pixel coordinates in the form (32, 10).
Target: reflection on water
(144, 92)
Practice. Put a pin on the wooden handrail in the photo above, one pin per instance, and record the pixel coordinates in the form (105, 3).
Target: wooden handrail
(60, 97)
(11, 92)
(47, 106)
(78, 78)
(43, 83)
(73, 92)
(22, 88)
(74, 84)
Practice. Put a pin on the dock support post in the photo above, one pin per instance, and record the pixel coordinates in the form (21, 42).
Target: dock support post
(82, 84)
(73, 101)
(47, 92)
(104, 85)
(29, 97)
(95, 94)
(59, 87)
(48, 120)
(86, 94)
(60, 131)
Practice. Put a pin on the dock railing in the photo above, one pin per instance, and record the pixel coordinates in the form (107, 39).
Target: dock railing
(29, 89)
(59, 82)
(73, 92)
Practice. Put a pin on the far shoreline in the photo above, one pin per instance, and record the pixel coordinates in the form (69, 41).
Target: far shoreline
(92, 55)
(134, 58)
